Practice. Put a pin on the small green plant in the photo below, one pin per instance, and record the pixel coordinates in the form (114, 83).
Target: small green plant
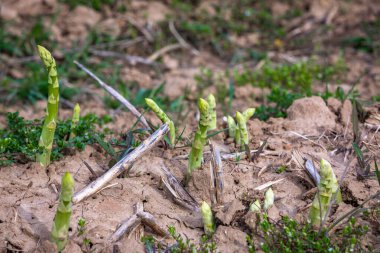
(196, 153)
(327, 189)
(181, 245)
(288, 235)
(81, 231)
(19, 140)
(61, 224)
(163, 117)
(48, 129)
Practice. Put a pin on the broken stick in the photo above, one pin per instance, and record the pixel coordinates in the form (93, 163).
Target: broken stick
(139, 216)
(179, 194)
(217, 171)
(121, 166)
(128, 225)
(116, 95)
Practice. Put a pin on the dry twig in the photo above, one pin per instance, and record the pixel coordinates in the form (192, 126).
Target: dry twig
(116, 95)
(179, 194)
(121, 166)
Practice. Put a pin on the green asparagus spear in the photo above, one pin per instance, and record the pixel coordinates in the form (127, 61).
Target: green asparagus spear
(47, 135)
(163, 117)
(75, 120)
(231, 126)
(208, 219)
(60, 231)
(248, 113)
(327, 188)
(211, 102)
(196, 153)
(242, 129)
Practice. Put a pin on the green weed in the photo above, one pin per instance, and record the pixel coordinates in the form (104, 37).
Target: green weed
(181, 245)
(290, 236)
(19, 140)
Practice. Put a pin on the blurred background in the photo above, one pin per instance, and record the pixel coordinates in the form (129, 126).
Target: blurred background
(261, 53)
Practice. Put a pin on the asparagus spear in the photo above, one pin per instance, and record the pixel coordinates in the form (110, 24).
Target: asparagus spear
(60, 231)
(248, 113)
(327, 188)
(163, 117)
(231, 126)
(211, 102)
(196, 153)
(242, 129)
(75, 120)
(269, 199)
(50, 123)
(255, 206)
(207, 218)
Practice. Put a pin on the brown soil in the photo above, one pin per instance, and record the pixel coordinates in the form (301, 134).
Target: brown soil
(315, 129)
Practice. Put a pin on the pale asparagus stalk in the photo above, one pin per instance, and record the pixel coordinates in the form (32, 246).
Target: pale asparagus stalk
(60, 231)
(327, 188)
(50, 123)
(207, 218)
(269, 199)
(255, 206)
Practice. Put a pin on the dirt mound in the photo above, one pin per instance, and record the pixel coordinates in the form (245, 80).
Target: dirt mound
(310, 116)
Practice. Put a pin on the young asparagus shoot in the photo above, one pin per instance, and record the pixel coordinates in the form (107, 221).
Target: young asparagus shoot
(269, 199)
(163, 117)
(75, 120)
(60, 231)
(50, 123)
(207, 218)
(255, 206)
(211, 102)
(242, 129)
(327, 188)
(196, 153)
(248, 113)
(231, 126)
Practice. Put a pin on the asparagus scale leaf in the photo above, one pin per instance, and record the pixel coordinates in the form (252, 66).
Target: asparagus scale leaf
(163, 117)
(50, 123)
(61, 224)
